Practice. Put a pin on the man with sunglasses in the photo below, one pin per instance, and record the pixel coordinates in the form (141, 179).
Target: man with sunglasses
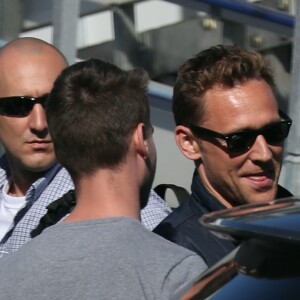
(30, 178)
(228, 122)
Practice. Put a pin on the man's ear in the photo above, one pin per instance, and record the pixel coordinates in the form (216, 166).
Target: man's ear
(140, 140)
(187, 143)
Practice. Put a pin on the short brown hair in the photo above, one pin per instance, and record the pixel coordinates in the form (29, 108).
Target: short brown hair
(91, 113)
(224, 65)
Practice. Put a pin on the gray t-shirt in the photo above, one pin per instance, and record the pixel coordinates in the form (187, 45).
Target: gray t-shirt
(113, 258)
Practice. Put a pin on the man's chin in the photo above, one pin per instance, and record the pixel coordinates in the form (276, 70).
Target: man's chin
(264, 196)
(40, 167)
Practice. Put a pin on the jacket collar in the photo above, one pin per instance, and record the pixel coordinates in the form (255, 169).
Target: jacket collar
(203, 196)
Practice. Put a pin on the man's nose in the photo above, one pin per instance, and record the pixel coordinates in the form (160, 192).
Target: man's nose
(260, 151)
(38, 124)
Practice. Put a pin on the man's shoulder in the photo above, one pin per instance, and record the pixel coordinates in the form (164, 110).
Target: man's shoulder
(126, 232)
(181, 216)
(162, 254)
(183, 227)
(170, 263)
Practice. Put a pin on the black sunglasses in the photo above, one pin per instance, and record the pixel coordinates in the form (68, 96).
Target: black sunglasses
(240, 142)
(19, 106)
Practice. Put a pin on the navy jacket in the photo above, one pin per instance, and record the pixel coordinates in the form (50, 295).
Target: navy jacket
(182, 226)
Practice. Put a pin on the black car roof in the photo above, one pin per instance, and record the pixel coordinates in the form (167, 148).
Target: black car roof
(278, 220)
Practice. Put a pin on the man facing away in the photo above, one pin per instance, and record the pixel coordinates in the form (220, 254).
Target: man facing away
(228, 123)
(98, 116)
(30, 178)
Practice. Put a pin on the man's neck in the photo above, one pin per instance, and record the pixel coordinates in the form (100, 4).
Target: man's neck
(21, 178)
(17, 190)
(104, 195)
(20, 183)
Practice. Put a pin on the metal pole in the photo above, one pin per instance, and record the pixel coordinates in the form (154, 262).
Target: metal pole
(10, 19)
(65, 18)
(290, 175)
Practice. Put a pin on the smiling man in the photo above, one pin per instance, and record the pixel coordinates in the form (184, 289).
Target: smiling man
(228, 123)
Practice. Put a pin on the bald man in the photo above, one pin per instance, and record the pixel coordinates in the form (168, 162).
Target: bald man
(30, 177)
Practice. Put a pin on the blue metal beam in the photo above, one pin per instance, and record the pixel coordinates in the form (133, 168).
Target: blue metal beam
(245, 13)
